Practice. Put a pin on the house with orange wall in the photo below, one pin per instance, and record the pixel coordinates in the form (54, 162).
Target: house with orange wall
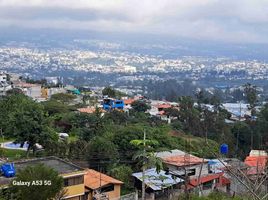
(101, 186)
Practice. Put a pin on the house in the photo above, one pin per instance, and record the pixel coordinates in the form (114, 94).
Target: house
(232, 168)
(109, 104)
(4, 83)
(31, 90)
(158, 184)
(194, 171)
(128, 102)
(73, 175)
(257, 162)
(53, 80)
(3, 77)
(101, 186)
(158, 109)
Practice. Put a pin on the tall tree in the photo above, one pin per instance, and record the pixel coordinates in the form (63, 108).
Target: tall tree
(140, 106)
(109, 92)
(101, 153)
(251, 95)
(147, 158)
(26, 121)
(63, 97)
(189, 115)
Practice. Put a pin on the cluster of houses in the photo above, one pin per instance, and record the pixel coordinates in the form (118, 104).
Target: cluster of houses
(186, 173)
(238, 111)
(182, 173)
(79, 183)
(10, 81)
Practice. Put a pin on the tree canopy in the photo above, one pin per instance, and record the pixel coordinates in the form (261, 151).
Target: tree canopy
(45, 183)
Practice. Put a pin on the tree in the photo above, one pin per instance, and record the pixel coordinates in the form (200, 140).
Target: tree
(251, 95)
(238, 95)
(109, 92)
(116, 116)
(189, 115)
(101, 153)
(52, 183)
(202, 97)
(173, 112)
(25, 120)
(242, 133)
(140, 106)
(63, 97)
(77, 149)
(261, 135)
(55, 107)
(14, 91)
(146, 157)
(215, 101)
(89, 125)
(123, 173)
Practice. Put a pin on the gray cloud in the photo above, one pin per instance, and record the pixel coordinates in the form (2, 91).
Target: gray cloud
(228, 20)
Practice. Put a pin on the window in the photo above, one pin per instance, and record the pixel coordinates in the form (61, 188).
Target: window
(207, 185)
(73, 181)
(191, 172)
(107, 188)
(217, 180)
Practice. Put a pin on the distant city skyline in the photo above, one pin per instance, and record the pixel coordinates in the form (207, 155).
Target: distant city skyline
(239, 21)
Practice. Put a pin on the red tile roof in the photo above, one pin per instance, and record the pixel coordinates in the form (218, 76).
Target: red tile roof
(183, 160)
(257, 163)
(25, 85)
(163, 106)
(94, 179)
(222, 180)
(128, 101)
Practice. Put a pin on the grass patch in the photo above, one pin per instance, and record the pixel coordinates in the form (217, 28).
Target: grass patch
(12, 154)
(2, 140)
(72, 138)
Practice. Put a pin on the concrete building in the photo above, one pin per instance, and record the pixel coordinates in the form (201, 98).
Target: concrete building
(3, 77)
(73, 175)
(195, 172)
(4, 84)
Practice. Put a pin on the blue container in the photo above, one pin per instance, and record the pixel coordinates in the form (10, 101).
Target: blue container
(224, 149)
(8, 170)
(109, 104)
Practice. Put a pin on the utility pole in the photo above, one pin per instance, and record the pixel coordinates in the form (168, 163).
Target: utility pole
(238, 131)
(1, 130)
(143, 167)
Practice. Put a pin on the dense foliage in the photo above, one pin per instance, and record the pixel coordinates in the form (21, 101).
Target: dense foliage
(45, 184)
(103, 140)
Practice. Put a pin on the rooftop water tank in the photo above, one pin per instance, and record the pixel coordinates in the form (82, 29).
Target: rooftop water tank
(8, 170)
(224, 149)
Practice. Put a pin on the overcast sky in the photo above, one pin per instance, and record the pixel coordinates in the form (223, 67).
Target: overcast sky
(222, 20)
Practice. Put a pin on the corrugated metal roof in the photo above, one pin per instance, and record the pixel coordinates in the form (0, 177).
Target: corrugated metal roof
(157, 181)
(174, 152)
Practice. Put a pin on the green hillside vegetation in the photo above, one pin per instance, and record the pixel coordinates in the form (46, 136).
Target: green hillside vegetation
(103, 141)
